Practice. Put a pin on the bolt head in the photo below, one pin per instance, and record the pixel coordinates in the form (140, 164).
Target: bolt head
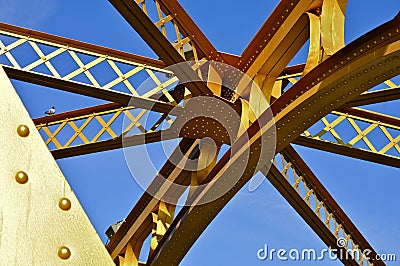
(23, 130)
(64, 252)
(64, 204)
(21, 177)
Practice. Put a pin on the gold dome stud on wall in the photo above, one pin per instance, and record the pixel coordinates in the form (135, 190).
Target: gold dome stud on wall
(64, 252)
(23, 130)
(21, 177)
(64, 204)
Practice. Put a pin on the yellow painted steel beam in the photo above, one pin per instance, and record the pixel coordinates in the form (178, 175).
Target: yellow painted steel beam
(326, 32)
(36, 199)
(345, 75)
(161, 220)
(133, 248)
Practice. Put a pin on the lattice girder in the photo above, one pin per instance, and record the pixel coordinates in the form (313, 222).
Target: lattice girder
(172, 34)
(69, 60)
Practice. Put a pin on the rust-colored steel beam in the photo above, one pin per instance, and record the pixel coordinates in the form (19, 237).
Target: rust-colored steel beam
(88, 90)
(69, 86)
(80, 45)
(157, 41)
(373, 97)
(366, 114)
(76, 113)
(370, 97)
(348, 151)
(112, 144)
(354, 69)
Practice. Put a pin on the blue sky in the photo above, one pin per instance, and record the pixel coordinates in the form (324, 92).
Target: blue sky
(366, 191)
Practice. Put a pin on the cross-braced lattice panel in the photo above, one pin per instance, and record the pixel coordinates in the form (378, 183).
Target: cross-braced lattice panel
(99, 70)
(95, 127)
(357, 132)
(181, 39)
(319, 207)
(170, 28)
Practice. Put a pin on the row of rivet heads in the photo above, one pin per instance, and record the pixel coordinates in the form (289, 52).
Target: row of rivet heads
(64, 203)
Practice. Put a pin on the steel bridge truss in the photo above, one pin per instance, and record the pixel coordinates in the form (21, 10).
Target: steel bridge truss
(321, 104)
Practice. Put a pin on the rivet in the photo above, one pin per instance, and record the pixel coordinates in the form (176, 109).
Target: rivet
(23, 130)
(21, 177)
(64, 252)
(64, 204)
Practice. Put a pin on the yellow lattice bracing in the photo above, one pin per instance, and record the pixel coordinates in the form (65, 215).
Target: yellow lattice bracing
(317, 203)
(100, 70)
(169, 27)
(358, 132)
(100, 126)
